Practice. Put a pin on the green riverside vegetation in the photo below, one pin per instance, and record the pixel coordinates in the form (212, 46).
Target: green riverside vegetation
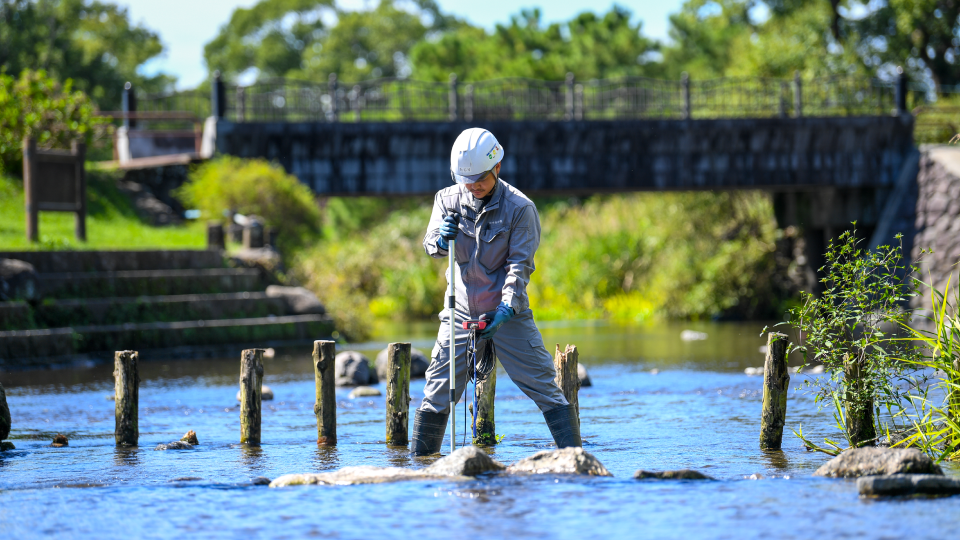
(631, 257)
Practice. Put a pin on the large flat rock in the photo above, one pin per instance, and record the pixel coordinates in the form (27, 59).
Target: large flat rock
(462, 464)
(561, 461)
(907, 484)
(872, 461)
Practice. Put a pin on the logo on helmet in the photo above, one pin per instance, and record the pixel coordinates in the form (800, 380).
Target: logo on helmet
(493, 151)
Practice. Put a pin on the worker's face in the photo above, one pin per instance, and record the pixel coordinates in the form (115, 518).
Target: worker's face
(481, 188)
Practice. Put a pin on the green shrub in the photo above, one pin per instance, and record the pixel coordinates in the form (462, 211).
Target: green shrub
(37, 106)
(253, 187)
(380, 272)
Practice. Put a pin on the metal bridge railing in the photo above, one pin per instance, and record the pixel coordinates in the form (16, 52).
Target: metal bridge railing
(399, 100)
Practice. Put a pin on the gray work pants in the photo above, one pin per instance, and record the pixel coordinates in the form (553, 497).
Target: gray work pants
(520, 351)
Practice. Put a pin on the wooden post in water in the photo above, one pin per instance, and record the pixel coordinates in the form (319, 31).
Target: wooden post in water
(398, 393)
(126, 377)
(776, 384)
(567, 379)
(486, 394)
(325, 407)
(251, 389)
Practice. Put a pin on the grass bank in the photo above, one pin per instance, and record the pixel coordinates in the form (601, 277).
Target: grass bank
(630, 257)
(112, 222)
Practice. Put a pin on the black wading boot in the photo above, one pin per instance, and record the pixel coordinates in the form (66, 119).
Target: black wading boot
(564, 426)
(428, 428)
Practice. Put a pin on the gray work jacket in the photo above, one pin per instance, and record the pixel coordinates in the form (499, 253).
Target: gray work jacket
(496, 269)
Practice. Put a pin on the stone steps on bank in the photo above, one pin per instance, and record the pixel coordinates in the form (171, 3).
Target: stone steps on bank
(61, 313)
(31, 348)
(148, 282)
(117, 261)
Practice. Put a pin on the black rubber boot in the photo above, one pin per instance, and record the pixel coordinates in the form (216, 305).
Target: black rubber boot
(428, 428)
(564, 426)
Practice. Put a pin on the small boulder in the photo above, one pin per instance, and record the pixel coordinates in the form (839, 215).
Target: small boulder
(583, 375)
(175, 445)
(561, 461)
(464, 461)
(907, 484)
(364, 391)
(59, 441)
(190, 438)
(18, 280)
(260, 481)
(7, 445)
(300, 300)
(5, 421)
(681, 474)
(419, 363)
(266, 394)
(872, 461)
(353, 369)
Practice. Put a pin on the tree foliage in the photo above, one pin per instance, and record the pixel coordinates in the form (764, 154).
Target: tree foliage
(590, 46)
(91, 42)
(290, 38)
(36, 105)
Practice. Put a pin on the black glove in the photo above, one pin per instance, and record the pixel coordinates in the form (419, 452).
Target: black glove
(448, 230)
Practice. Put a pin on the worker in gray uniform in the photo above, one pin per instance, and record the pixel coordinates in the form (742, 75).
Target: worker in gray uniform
(497, 232)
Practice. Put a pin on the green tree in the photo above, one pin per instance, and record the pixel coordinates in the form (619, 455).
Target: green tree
(590, 46)
(920, 35)
(288, 38)
(365, 44)
(271, 37)
(91, 42)
(38, 106)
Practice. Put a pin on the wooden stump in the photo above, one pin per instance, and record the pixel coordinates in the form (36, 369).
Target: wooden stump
(126, 377)
(251, 388)
(324, 353)
(398, 393)
(858, 404)
(567, 379)
(776, 385)
(486, 426)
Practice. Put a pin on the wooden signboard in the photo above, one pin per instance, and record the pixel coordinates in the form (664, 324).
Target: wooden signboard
(54, 181)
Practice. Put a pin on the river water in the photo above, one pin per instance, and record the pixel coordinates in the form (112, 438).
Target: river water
(657, 402)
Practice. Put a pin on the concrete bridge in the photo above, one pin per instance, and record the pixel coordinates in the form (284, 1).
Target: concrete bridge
(830, 151)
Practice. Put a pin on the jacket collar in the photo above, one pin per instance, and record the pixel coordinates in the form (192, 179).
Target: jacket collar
(466, 199)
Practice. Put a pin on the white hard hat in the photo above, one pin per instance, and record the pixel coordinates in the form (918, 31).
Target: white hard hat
(474, 153)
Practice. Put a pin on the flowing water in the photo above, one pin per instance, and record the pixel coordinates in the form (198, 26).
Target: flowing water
(657, 402)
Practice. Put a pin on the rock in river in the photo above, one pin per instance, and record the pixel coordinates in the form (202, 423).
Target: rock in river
(418, 364)
(364, 391)
(266, 393)
(871, 461)
(175, 445)
(5, 421)
(353, 369)
(465, 461)
(681, 474)
(907, 484)
(583, 376)
(460, 465)
(59, 441)
(562, 461)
